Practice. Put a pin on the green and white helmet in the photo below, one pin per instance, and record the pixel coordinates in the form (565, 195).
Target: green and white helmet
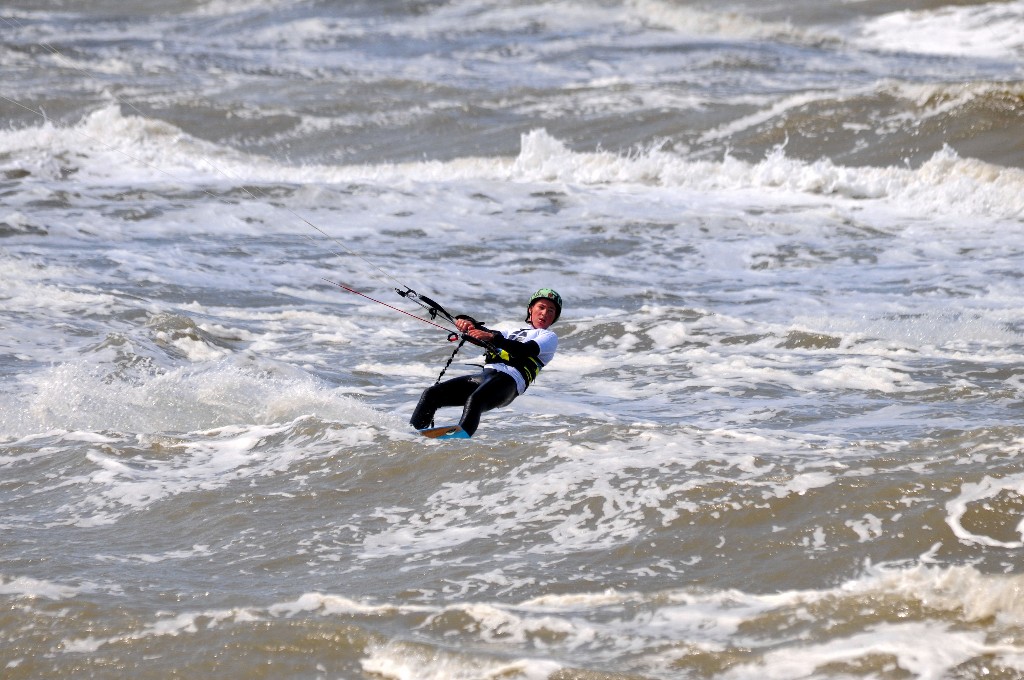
(546, 294)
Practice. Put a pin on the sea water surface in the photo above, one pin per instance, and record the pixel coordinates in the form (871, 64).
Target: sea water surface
(782, 434)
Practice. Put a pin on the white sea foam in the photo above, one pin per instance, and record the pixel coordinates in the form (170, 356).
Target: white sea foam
(187, 623)
(78, 396)
(928, 651)
(116, 486)
(976, 595)
(218, 8)
(24, 586)
(329, 605)
(615, 625)
(989, 30)
(134, 150)
(212, 400)
(585, 496)
(983, 492)
(400, 661)
(150, 558)
(706, 23)
(716, 621)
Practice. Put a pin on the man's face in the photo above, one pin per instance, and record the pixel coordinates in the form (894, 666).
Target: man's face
(542, 313)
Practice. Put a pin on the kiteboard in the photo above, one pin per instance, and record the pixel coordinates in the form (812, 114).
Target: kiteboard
(444, 432)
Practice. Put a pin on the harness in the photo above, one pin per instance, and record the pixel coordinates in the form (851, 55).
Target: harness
(528, 367)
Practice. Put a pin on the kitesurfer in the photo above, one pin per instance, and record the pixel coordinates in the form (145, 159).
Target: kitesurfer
(511, 364)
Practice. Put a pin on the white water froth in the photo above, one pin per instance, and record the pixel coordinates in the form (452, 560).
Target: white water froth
(83, 396)
(189, 429)
(585, 497)
(399, 661)
(134, 151)
(991, 31)
(697, 21)
(27, 587)
(982, 493)
(640, 633)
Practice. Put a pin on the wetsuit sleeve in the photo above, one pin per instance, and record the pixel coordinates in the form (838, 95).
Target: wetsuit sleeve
(516, 349)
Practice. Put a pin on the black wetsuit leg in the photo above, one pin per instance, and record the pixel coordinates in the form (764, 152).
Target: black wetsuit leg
(454, 392)
(476, 393)
(496, 390)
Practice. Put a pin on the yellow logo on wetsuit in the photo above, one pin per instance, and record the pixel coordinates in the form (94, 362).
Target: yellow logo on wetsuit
(528, 367)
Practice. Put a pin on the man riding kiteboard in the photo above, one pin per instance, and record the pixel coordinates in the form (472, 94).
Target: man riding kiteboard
(511, 364)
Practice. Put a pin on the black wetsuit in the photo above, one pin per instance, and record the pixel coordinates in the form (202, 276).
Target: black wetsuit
(481, 392)
(489, 389)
